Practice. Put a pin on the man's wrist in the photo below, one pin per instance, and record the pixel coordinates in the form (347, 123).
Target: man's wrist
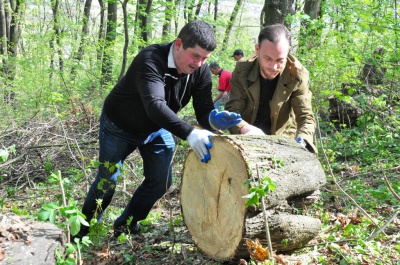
(241, 125)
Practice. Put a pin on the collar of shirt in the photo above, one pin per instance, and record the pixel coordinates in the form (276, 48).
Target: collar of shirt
(171, 62)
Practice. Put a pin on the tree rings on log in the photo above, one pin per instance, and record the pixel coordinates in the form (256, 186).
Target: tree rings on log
(212, 193)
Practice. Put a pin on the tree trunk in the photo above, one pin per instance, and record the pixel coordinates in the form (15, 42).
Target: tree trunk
(57, 36)
(312, 8)
(275, 11)
(231, 23)
(3, 30)
(111, 32)
(198, 9)
(11, 15)
(310, 36)
(215, 13)
(168, 14)
(126, 40)
(102, 37)
(143, 13)
(191, 9)
(85, 33)
(212, 201)
(186, 10)
(16, 16)
(177, 15)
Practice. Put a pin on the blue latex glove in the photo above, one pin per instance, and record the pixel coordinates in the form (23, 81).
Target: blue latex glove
(199, 141)
(222, 120)
(301, 141)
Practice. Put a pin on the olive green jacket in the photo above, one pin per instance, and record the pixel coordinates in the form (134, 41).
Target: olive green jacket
(291, 110)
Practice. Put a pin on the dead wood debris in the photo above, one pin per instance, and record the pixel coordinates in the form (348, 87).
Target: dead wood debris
(41, 147)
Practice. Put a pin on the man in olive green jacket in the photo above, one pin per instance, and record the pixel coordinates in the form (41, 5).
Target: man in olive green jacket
(270, 90)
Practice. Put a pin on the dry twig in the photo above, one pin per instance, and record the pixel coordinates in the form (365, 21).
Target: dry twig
(337, 184)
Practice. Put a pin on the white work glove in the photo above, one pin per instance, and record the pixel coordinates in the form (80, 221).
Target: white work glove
(199, 141)
(255, 131)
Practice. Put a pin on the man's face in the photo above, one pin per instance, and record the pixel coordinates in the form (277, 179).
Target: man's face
(187, 61)
(237, 57)
(214, 70)
(272, 57)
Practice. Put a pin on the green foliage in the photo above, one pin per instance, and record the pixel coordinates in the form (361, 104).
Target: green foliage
(256, 192)
(152, 218)
(5, 153)
(74, 217)
(177, 221)
(333, 48)
(10, 191)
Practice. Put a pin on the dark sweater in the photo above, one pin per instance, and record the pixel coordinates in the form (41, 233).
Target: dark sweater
(150, 94)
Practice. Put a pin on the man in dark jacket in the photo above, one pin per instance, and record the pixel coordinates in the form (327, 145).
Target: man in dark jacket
(237, 54)
(141, 113)
(270, 90)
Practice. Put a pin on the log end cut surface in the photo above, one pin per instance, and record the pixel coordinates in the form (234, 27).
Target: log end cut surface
(211, 199)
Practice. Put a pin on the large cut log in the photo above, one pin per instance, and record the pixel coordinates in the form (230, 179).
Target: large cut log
(212, 193)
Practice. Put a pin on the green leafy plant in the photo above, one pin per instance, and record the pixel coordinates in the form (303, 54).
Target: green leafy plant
(10, 191)
(5, 153)
(66, 215)
(259, 191)
(74, 217)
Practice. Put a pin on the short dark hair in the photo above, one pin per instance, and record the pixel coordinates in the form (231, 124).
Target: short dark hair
(274, 33)
(237, 52)
(214, 65)
(200, 33)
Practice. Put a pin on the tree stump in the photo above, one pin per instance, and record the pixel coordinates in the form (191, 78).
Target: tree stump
(211, 195)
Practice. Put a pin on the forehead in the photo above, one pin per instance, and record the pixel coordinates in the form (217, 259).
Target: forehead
(280, 48)
(282, 42)
(199, 51)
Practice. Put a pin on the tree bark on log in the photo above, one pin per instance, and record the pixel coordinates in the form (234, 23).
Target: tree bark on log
(211, 194)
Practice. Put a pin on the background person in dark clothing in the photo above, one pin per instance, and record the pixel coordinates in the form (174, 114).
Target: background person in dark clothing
(140, 112)
(237, 54)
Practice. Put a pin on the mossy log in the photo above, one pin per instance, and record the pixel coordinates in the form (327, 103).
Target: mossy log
(212, 193)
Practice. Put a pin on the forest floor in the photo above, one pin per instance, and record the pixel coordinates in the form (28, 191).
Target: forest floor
(347, 235)
(166, 240)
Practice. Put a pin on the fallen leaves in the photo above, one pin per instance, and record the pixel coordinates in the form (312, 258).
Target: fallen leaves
(260, 254)
(12, 228)
(256, 250)
(106, 257)
(2, 254)
(344, 220)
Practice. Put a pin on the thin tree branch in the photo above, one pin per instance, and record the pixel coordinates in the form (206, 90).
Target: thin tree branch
(383, 227)
(337, 184)
(390, 188)
(13, 160)
(271, 254)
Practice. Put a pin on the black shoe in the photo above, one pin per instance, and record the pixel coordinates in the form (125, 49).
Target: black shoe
(134, 229)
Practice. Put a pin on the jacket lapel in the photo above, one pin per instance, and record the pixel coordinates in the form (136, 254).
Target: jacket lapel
(253, 83)
(282, 94)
